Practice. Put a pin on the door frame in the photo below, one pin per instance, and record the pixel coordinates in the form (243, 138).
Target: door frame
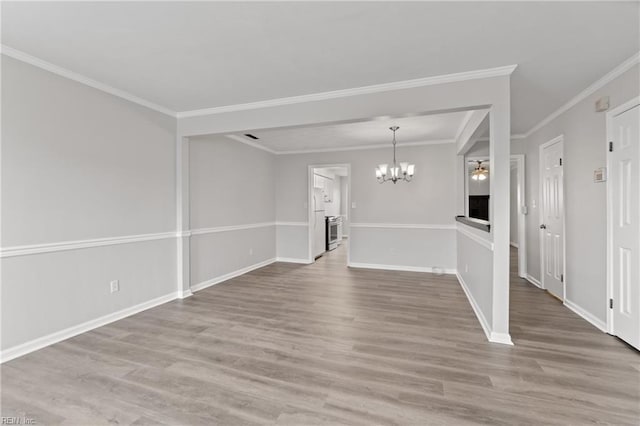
(310, 186)
(557, 139)
(519, 159)
(609, 129)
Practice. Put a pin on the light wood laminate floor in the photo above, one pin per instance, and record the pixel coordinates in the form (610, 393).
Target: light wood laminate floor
(324, 344)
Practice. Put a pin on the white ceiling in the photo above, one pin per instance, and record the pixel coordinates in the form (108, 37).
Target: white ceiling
(192, 55)
(413, 130)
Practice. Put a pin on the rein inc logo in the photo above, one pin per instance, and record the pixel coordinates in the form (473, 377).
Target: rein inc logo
(15, 420)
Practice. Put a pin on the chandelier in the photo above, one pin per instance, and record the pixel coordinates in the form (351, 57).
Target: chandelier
(479, 173)
(405, 171)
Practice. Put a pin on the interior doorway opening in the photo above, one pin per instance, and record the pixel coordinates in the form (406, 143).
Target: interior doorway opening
(329, 189)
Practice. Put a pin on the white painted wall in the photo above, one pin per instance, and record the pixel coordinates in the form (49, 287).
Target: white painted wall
(475, 270)
(428, 200)
(230, 184)
(79, 164)
(585, 201)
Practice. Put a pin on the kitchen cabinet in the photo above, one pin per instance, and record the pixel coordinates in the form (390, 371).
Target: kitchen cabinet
(326, 185)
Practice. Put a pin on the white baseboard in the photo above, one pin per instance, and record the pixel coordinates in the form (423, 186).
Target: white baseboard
(58, 336)
(533, 281)
(516, 245)
(293, 260)
(399, 268)
(236, 273)
(596, 322)
(184, 294)
(493, 337)
(502, 338)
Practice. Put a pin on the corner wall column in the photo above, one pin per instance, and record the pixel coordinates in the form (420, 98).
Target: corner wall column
(500, 160)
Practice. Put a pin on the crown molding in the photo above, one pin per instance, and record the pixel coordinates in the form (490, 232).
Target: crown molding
(376, 88)
(71, 75)
(607, 78)
(365, 147)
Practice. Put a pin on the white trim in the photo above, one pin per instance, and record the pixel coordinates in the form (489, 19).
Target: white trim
(513, 244)
(521, 245)
(81, 244)
(184, 294)
(403, 225)
(533, 281)
(58, 336)
(493, 337)
(558, 139)
(607, 78)
(398, 85)
(230, 275)
(401, 268)
(201, 231)
(365, 147)
(593, 320)
(609, 133)
(71, 75)
(292, 260)
(483, 242)
(292, 224)
(502, 338)
(250, 143)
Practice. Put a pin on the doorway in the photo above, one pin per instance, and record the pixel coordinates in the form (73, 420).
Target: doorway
(329, 187)
(552, 234)
(623, 217)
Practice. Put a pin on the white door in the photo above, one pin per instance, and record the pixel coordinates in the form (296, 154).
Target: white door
(552, 212)
(624, 187)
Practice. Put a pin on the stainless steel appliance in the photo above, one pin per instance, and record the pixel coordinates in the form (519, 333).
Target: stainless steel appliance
(332, 232)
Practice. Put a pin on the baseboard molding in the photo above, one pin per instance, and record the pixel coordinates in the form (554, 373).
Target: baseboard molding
(184, 294)
(401, 268)
(293, 260)
(236, 273)
(58, 336)
(596, 322)
(533, 281)
(512, 244)
(493, 337)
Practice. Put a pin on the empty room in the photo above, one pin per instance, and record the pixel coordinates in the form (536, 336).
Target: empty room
(320, 213)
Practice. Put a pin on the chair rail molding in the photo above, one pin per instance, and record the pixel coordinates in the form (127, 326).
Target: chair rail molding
(81, 244)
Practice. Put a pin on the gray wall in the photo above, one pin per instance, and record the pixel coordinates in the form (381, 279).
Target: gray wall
(230, 184)
(79, 164)
(345, 209)
(513, 223)
(429, 199)
(475, 267)
(584, 133)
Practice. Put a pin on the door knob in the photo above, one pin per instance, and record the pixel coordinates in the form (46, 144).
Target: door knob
(543, 226)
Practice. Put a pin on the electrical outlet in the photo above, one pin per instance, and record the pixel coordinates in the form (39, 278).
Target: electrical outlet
(114, 285)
